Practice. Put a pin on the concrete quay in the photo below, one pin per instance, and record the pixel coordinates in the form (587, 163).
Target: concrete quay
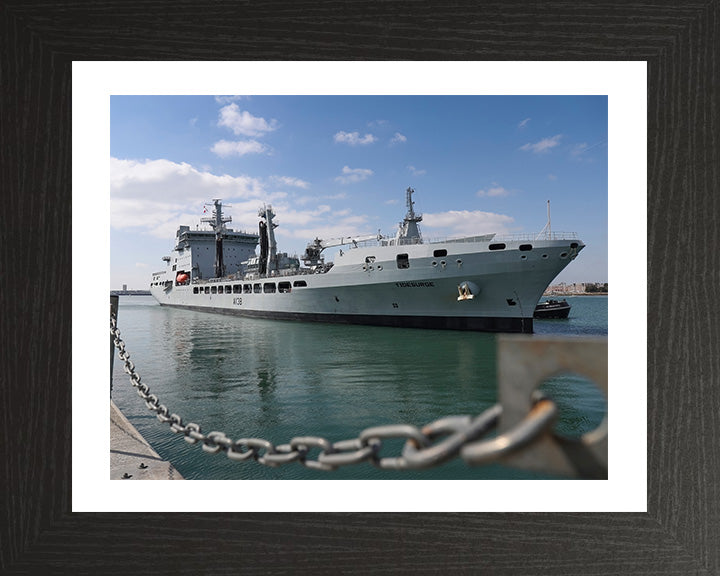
(131, 457)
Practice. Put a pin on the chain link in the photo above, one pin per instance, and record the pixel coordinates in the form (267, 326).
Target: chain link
(434, 444)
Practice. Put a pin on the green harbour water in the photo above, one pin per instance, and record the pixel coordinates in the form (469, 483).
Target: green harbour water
(275, 380)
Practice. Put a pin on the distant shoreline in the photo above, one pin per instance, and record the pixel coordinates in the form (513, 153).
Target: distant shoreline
(130, 292)
(575, 294)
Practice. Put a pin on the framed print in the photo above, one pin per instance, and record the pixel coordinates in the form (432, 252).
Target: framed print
(678, 531)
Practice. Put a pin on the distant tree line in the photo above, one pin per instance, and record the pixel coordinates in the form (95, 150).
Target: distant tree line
(596, 287)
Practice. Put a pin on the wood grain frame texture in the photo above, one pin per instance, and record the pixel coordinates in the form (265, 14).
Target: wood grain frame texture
(680, 533)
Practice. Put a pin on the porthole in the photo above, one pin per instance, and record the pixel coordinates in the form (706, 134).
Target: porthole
(563, 255)
(523, 257)
(434, 263)
(545, 256)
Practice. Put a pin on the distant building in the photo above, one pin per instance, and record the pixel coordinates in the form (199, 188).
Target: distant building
(124, 287)
(577, 288)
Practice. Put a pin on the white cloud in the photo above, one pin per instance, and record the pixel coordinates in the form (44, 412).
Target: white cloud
(225, 148)
(155, 196)
(543, 145)
(242, 122)
(398, 138)
(415, 172)
(468, 222)
(579, 149)
(524, 123)
(353, 138)
(328, 225)
(351, 175)
(494, 191)
(290, 181)
(228, 99)
(302, 200)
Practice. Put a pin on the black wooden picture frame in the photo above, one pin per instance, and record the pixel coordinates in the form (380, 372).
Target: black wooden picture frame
(680, 533)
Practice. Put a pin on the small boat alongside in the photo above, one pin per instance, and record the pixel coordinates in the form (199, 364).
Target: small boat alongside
(552, 309)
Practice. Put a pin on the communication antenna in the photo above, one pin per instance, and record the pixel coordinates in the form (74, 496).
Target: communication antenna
(547, 230)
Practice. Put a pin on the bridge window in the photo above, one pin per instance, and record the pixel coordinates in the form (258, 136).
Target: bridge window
(207, 289)
(213, 289)
(195, 290)
(219, 289)
(247, 288)
(403, 261)
(269, 287)
(237, 288)
(257, 288)
(228, 289)
(284, 287)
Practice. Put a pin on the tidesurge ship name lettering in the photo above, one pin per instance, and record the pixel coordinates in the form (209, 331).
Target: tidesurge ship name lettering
(415, 284)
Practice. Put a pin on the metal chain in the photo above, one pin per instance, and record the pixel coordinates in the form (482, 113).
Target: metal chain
(434, 444)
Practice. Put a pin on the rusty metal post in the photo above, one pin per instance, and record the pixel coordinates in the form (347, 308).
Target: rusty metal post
(114, 298)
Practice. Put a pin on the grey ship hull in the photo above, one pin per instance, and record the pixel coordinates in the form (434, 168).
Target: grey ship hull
(479, 324)
(470, 286)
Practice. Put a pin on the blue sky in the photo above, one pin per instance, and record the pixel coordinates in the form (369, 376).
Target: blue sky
(339, 165)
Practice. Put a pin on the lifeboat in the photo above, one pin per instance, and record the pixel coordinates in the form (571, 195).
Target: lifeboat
(182, 278)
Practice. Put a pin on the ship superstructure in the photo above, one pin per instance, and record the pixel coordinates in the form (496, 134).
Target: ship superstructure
(203, 254)
(482, 282)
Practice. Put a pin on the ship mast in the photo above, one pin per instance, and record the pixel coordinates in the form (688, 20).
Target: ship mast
(409, 232)
(217, 221)
(268, 246)
(546, 231)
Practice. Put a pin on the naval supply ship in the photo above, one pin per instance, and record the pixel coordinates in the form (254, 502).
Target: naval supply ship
(485, 282)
